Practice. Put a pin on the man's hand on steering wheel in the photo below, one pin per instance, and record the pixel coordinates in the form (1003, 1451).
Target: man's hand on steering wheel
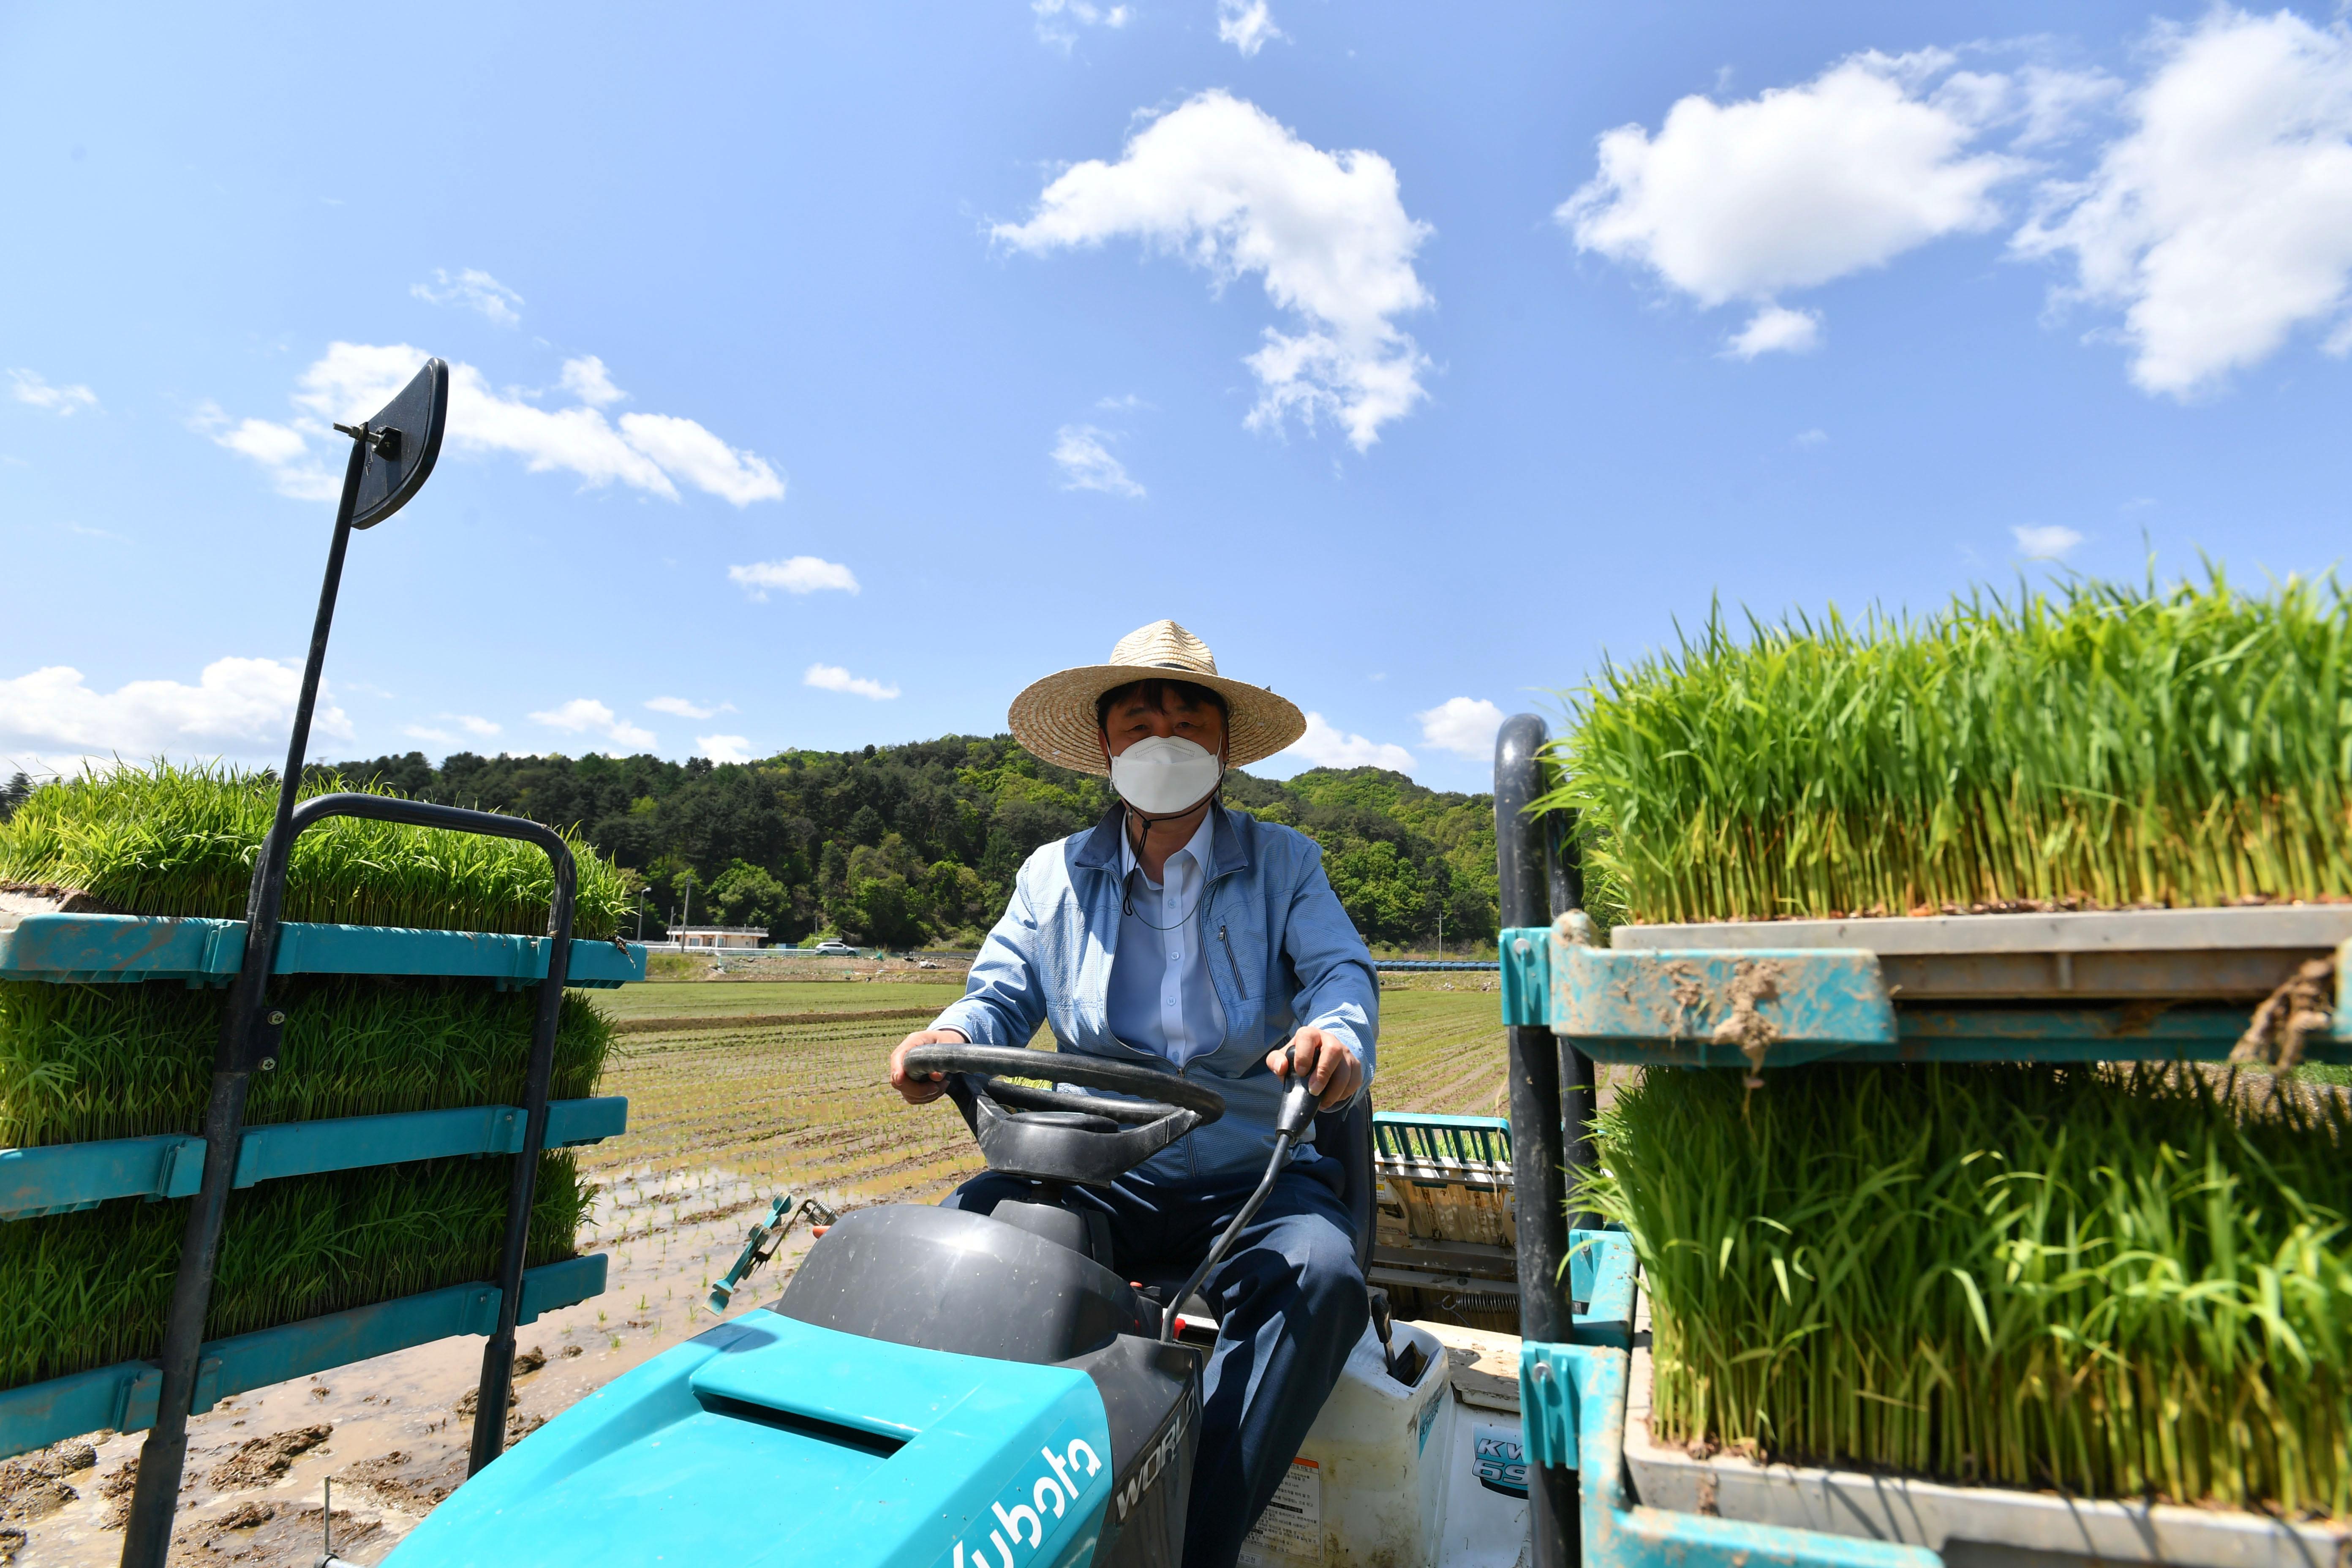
(1331, 1068)
(924, 1087)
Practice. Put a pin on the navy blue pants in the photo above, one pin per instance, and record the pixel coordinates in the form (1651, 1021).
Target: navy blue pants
(1289, 1303)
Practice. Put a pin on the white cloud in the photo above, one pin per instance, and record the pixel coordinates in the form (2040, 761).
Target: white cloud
(1226, 186)
(1775, 329)
(239, 708)
(1816, 436)
(473, 723)
(1801, 185)
(1246, 25)
(833, 678)
(64, 401)
(1325, 746)
(426, 732)
(799, 574)
(724, 748)
(693, 454)
(585, 715)
(2222, 220)
(352, 381)
(471, 289)
(1087, 464)
(586, 378)
(2045, 542)
(1058, 21)
(686, 709)
(281, 449)
(1463, 725)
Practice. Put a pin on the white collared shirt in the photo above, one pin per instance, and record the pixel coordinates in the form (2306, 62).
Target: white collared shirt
(1160, 998)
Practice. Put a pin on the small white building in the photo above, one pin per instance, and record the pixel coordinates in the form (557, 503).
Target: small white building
(720, 936)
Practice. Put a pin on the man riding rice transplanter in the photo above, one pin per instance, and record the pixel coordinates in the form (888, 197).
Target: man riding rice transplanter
(1186, 937)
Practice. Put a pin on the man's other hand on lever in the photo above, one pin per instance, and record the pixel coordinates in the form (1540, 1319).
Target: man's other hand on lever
(921, 1089)
(1333, 1070)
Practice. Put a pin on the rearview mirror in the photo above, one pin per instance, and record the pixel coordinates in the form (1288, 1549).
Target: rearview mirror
(401, 440)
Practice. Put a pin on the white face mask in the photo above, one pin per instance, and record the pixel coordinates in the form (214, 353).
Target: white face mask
(1161, 776)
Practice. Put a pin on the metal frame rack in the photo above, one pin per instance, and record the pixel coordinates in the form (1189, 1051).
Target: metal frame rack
(2152, 985)
(61, 1178)
(391, 455)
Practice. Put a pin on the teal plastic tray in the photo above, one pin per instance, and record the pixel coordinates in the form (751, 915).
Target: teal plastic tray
(107, 949)
(122, 1397)
(64, 1177)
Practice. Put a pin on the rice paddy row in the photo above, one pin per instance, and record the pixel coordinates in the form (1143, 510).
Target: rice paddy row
(87, 1290)
(184, 841)
(2108, 746)
(2111, 1282)
(806, 1106)
(80, 1063)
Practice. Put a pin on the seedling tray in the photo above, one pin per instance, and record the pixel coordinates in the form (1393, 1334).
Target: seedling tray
(98, 949)
(1449, 1250)
(122, 1397)
(2170, 955)
(107, 949)
(1979, 1525)
(2165, 985)
(64, 1177)
(1586, 1408)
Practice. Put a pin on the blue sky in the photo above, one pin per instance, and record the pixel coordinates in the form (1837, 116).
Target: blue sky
(827, 373)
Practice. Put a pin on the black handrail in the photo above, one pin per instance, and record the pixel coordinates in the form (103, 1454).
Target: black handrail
(249, 1042)
(1552, 1102)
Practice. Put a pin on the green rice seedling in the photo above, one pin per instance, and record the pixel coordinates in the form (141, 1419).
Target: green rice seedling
(183, 841)
(2100, 746)
(86, 1062)
(89, 1290)
(2110, 1282)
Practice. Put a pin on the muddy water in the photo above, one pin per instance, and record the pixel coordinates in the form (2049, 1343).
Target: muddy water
(399, 1426)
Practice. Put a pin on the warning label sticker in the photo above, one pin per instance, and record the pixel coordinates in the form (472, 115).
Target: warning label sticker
(1291, 1528)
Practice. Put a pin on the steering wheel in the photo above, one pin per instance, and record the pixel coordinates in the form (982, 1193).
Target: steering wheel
(1055, 1135)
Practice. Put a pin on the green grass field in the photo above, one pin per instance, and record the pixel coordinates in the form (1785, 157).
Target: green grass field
(750, 998)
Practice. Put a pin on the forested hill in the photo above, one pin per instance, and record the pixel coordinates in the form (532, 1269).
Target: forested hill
(916, 845)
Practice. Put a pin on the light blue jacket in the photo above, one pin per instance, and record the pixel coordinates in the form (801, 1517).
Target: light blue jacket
(1281, 953)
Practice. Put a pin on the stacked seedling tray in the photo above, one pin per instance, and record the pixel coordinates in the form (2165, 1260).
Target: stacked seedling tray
(368, 1208)
(1444, 1239)
(1980, 1210)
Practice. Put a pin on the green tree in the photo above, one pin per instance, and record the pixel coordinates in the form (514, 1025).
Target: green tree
(748, 895)
(920, 843)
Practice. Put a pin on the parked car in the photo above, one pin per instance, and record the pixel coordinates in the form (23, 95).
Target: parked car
(833, 947)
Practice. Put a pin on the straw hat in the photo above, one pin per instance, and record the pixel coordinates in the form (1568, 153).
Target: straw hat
(1055, 717)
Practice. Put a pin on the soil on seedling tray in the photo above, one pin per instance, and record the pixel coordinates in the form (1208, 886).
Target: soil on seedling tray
(729, 1107)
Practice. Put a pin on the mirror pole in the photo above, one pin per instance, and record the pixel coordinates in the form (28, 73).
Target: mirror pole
(147, 1534)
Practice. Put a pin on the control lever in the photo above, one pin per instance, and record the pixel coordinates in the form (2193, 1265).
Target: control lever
(1297, 1110)
(1383, 1325)
(1408, 1367)
(762, 1244)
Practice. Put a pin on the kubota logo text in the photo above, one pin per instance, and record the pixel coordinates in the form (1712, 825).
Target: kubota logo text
(1027, 1522)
